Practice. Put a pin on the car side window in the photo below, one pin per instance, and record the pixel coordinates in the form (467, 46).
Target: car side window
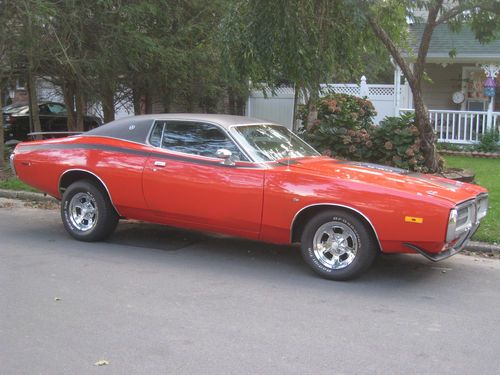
(193, 138)
(155, 137)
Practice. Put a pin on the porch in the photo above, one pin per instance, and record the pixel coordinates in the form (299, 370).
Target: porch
(461, 127)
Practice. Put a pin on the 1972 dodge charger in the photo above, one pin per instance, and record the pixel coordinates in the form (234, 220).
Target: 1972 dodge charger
(249, 178)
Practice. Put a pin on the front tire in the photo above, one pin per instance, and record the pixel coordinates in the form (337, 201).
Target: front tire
(338, 245)
(87, 212)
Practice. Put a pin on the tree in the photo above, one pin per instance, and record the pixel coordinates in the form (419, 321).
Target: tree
(483, 19)
(4, 70)
(28, 31)
(305, 42)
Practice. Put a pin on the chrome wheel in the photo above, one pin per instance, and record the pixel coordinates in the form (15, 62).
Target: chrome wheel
(335, 245)
(83, 211)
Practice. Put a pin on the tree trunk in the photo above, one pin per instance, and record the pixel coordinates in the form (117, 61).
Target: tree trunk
(69, 101)
(2, 140)
(231, 101)
(108, 104)
(432, 160)
(79, 107)
(33, 104)
(240, 105)
(296, 90)
(148, 102)
(138, 99)
(312, 104)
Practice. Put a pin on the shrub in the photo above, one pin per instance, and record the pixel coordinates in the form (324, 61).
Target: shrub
(489, 142)
(397, 143)
(343, 128)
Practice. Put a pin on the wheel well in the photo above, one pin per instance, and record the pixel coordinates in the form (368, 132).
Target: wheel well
(72, 176)
(308, 213)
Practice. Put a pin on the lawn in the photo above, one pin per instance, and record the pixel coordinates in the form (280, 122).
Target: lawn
(12, 183)
(487, 175)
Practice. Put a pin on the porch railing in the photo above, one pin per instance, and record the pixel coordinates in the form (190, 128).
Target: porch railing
(461, 127)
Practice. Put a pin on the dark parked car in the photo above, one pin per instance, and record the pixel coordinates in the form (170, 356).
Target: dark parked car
(53, 118)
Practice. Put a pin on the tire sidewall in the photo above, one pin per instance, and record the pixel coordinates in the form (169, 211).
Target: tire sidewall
(104, 221)
(365, 253)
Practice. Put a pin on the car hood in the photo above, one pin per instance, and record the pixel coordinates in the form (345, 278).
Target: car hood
(390, 178)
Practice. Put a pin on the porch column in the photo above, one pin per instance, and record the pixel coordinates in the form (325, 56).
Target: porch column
(490, 71)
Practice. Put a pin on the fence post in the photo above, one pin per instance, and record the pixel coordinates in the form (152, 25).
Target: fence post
(397, 89)
(363, 88)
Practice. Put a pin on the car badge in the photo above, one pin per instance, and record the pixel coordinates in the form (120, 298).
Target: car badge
(131, 127)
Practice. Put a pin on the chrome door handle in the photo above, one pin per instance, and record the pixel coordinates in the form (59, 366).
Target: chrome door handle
(160, 164)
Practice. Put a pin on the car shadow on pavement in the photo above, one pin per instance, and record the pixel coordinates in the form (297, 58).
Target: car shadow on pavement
(218, 250)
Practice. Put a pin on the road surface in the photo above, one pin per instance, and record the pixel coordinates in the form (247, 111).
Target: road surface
(154, 300)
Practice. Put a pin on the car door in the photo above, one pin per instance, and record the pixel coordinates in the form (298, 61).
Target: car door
(186, 184)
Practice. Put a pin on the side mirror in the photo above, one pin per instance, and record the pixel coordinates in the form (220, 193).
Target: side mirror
(226, 155)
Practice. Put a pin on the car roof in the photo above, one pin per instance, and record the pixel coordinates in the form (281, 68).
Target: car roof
(136, 128)
(222, 120)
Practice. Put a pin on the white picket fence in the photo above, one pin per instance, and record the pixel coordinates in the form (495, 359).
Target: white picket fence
(461, 127)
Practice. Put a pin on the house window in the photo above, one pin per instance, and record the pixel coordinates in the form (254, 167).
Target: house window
(472, 85)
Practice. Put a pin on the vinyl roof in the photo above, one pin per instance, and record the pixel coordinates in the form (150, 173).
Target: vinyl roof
(136, 128)
(222, 120)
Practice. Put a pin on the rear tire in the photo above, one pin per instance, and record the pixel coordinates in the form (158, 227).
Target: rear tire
(338, 245)
(87, 212)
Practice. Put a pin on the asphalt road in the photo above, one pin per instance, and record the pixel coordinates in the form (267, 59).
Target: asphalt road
(155, 300)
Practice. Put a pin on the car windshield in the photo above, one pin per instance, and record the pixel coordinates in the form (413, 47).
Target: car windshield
(271, 142)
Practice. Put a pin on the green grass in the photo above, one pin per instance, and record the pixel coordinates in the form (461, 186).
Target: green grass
(487, 175)
(14, 183)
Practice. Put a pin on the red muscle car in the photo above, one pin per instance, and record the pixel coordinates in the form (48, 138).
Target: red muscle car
(249, 178)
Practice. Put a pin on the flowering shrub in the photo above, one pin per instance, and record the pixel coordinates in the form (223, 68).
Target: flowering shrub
(344, 129)
(397, 141)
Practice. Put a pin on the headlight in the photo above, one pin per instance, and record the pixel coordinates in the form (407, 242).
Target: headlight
(452, 225)
(482, 206)
(465, 216)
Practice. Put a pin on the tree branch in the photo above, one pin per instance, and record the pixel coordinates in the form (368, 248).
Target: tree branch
(393, 50)
(425, 41)
(455, 11)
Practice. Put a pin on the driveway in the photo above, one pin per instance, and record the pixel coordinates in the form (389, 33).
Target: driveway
(156, 300)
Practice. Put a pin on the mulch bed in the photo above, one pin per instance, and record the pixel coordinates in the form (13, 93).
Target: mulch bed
(473, 154)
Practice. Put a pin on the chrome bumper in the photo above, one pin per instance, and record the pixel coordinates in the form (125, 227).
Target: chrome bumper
(459, 246)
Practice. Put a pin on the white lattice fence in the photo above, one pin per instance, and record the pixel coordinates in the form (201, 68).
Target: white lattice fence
(277, 105)
(386, 91)
(350, 89)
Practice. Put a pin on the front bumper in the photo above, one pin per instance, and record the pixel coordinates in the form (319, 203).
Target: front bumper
(456, 248)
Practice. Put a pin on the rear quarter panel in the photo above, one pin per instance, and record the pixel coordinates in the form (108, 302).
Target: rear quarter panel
(119, 164)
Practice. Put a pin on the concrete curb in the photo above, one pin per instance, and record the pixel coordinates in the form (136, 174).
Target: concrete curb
(26, 196)
(481, 247)
(473, 246)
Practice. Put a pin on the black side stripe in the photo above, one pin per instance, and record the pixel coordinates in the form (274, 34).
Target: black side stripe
(124, 150)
